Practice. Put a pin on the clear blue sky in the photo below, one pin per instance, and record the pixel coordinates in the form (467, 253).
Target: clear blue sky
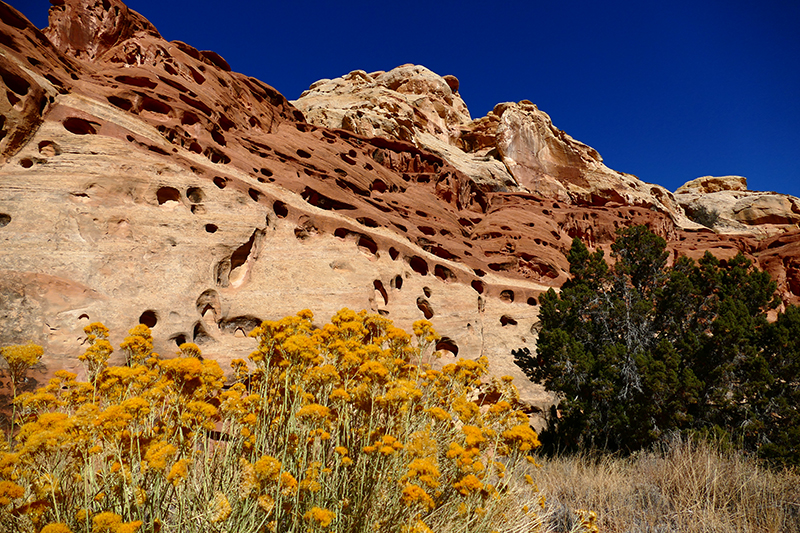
(668, 91)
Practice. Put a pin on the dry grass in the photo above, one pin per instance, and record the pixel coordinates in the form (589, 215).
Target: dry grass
(684, 487)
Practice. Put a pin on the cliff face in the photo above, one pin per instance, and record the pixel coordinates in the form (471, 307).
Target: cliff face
(143, 181)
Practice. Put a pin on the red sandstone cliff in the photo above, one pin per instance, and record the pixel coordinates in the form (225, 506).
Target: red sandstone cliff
(143, 180)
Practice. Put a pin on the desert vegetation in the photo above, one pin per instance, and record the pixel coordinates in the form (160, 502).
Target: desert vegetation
(641, 350)
(344, 428)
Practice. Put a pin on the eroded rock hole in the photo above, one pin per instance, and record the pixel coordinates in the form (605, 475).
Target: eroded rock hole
(220, 182)
(368, 222)
(5, 220)
(16, 83)
(427, 230)
(122, 103)
(189, 118)
(49, 149)
(208, 302)
(254, 194)
(379, 186)
(240, 325)
(200, 335)
(179, 339)
(195, 194)
(168, 194)
(532, 301)
(239, 257)
(155, 106)
(137, 81)
(448, 344)
(507, 296)
(219, 138)
(506, 320)
(477, 285)
(149, 318)
(443, 273)
(427, 291)
(80, 126)
(211, 228)
(366, 243)
(323, 202)
(393, 253)
(425, 306)
(397, 282)
(280, 209)
(26, 163)
(378, 285)
(418, 265)
(303, 153)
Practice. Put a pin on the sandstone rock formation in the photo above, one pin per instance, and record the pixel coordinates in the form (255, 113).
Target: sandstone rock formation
(515, 147)
(734, 209)
(143, 181)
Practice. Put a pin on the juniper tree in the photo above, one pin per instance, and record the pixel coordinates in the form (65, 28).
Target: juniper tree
(640, 349)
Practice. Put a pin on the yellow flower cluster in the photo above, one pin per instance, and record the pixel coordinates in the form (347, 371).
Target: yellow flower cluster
(338, 428)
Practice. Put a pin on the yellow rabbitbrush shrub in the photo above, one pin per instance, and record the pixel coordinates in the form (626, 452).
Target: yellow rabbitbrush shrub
(346, 428)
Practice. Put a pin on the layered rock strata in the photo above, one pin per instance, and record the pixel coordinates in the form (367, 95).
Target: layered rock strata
(143, 181)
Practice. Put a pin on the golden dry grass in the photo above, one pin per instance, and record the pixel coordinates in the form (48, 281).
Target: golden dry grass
(684, 487)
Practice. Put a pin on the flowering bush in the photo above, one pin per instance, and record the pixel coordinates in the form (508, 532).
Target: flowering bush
(343, 428)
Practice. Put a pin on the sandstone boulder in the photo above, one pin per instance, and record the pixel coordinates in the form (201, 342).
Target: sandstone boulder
(725, 204)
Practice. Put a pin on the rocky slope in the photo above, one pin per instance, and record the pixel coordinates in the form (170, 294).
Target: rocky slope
(143, 181)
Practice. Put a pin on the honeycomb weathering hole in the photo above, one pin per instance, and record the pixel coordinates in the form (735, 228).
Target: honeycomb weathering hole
(195, 194)
(280, 209)
(506, 320)
(507, 296)
(179, 339)
(149, 318)
(532, 301)
(211, 228)
(418, 265)
(397, 283)
(378, 285)
(477, 285)
(425, 306)
(49, 148)
(5, 219)
(446, 343)
(220, 182)
(80, 126)
(168, 194)
(368, 244)
(26, 163)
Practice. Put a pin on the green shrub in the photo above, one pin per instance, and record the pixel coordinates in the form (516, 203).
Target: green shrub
(641, 349)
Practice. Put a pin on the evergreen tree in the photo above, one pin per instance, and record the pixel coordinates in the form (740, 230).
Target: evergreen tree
(639, 349)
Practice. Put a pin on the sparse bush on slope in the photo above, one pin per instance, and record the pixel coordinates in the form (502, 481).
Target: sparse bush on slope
(343, 429)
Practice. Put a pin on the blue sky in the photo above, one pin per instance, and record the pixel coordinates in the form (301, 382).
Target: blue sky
(668, 91)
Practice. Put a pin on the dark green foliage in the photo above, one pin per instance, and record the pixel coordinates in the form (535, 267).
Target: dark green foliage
(640, 349)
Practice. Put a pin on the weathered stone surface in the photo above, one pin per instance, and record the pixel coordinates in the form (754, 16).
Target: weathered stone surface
(711, 184)
(514, 148)
(737, 210)
(153, 184)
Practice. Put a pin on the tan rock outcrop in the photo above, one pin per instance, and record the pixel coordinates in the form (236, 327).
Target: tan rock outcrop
(143, 181)
(514, 148)
(725, 204)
